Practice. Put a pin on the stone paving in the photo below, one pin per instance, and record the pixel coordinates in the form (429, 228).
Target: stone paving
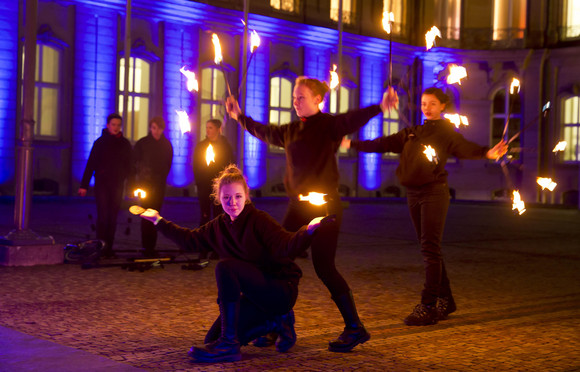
(516, 281)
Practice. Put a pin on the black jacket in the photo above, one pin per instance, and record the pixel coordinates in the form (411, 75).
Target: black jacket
(152, 159)
(204, 173)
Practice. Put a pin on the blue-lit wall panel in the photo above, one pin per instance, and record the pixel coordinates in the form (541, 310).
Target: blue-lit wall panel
(372, 76)
(8, 74)
(181, 48)
(257, 99)
(317, 63)
(95, 77)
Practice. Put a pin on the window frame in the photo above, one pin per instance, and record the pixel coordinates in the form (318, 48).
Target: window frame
(504, 115)
(291, 78)
(565, 125)
(132, 132)
(216, 103)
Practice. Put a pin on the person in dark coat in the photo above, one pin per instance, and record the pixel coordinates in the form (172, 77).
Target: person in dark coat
(110, 162)
(311, 144)
(205, 172)
(428, 193)
(256, 276)
(152, 157)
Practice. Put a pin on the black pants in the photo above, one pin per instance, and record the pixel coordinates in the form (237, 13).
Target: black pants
(428, 207)
(325, 241)
(154, 200)
(261, 296)
(209, 210)
(108, 197)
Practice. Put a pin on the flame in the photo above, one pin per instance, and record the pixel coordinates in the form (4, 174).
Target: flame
(209, 155)
(546, 183)
(314, 198)
(218, 49)
(560, 146)
(140, 193)
(321, 105)
(456, 73)
(388, 19)
(430, 36)
(518, 203)
(184, 124)
(431, 154)
(457, 119)
(191, 80)
(254, 41)
(334, 80)
(515, 84)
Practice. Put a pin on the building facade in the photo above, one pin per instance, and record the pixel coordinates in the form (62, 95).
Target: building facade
(82, 47)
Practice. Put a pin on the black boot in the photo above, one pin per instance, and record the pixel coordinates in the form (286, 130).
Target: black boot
(286, 332)
(354, 332)
(227, 347)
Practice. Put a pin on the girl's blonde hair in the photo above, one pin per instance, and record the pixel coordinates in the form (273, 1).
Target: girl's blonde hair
(230, 174)
(316, 86)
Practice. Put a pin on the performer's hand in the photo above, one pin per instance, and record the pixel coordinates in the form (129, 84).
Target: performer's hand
(345, 143)
(150, 215)
(233, 107)
(390, 100)
(82, 192)
(498, 150)
(320, 221)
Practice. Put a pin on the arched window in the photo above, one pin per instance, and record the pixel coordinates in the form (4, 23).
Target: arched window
(571, 124)
(136, 121)
(47, 91)
(506, 106)
(280, 111)
(213, 91)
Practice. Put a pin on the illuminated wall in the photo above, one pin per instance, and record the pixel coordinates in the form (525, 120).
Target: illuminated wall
(8, 73)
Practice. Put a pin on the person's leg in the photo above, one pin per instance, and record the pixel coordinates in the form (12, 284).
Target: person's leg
(205, 202)
(154, 200)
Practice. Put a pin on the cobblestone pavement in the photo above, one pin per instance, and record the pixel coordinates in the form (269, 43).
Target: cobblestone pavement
(516, 281)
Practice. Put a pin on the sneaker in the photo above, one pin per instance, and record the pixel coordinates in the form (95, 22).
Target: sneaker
(445, 306)
(422, 315)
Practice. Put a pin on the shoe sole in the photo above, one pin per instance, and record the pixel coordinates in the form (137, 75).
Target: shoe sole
(361, 340)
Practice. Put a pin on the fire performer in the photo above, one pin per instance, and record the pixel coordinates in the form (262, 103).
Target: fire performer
(428, 193)
(110, 162)
(256, 276)
(206, 169)
(310, 145)
(152, 156)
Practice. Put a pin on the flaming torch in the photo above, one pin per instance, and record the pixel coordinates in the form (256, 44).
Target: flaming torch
(184, 124)
(431, 154)
(314, 198)
(140, 193)
(254, 44)
(191, 80)
(334, 80)
(218, 57)
(515, 86)
(430, 36)
(209, 155)
(518, 203)
(388, 19)
(456, 73)
(457, 119)
(546, 183)
(560, 146)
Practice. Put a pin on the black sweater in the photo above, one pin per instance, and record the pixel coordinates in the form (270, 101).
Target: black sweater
(152, 160)
(254, 236)
(414, 168)
(110, 161)
(204, 173)
(310, 145)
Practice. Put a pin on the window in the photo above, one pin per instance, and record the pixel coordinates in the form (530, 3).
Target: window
(390, 126)
(396, 6)
(347, 10)
(47, 90)
(280, 101)
(213, 91)
(448, 16)
(505, 106)
(509, 19)
(343, 106)
(285, 5)
(136, 121)
(571, 122)
(571, 18)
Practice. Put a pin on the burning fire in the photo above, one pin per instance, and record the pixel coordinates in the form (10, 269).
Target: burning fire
(430, 36)
(191, 80)
(218, 49)
(314, 198)
(209, 155)
(431, 154)
(560, 146)
(334, 81)
(184, 124)
(456, 73)
(388, 19)
(254, 41)
(518, 203)
(457, 119)
(515, 84)
(140, 193)
(546, 183)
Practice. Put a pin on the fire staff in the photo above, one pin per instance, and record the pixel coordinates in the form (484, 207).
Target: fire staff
(425, 177)
(311, 144)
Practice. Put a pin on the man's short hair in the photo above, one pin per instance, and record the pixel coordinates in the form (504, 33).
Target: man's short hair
(216, 122)
(113, 116)
(159, 121)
